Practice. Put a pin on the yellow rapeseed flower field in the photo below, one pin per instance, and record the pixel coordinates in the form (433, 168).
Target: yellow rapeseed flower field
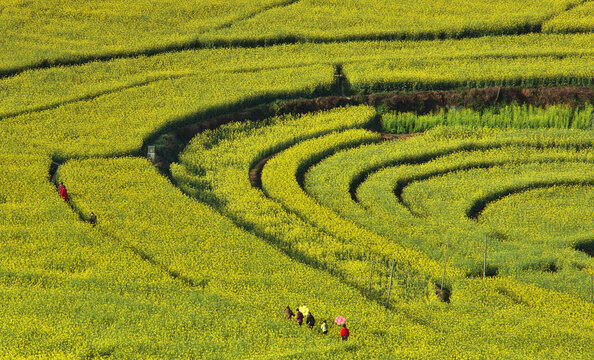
(198, 259)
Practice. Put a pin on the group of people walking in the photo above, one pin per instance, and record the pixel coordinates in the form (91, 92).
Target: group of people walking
(64, 195)
(310, 321)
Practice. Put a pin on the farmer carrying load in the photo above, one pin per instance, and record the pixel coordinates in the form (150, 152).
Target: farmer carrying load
(93, 219)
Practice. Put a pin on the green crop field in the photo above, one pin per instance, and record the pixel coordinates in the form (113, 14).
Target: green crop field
(424, 169)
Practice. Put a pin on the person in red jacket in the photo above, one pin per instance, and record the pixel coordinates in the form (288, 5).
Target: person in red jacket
(344, 332)
(62, 191)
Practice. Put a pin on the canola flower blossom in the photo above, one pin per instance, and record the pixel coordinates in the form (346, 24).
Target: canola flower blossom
(304, 310)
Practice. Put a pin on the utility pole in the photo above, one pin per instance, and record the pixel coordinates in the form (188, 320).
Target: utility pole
(485, 259)
(444, 264)
(591, 288)
(370, 276)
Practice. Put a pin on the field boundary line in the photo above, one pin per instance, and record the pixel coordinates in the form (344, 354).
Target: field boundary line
(199, 43)
(89, 97)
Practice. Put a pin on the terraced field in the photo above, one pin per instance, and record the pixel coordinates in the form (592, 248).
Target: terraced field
(450, 217)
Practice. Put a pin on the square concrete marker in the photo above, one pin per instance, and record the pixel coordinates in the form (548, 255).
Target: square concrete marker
(150, 153)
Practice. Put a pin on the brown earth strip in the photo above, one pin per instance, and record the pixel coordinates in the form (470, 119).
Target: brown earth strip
(387, 136)
(256, 172)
